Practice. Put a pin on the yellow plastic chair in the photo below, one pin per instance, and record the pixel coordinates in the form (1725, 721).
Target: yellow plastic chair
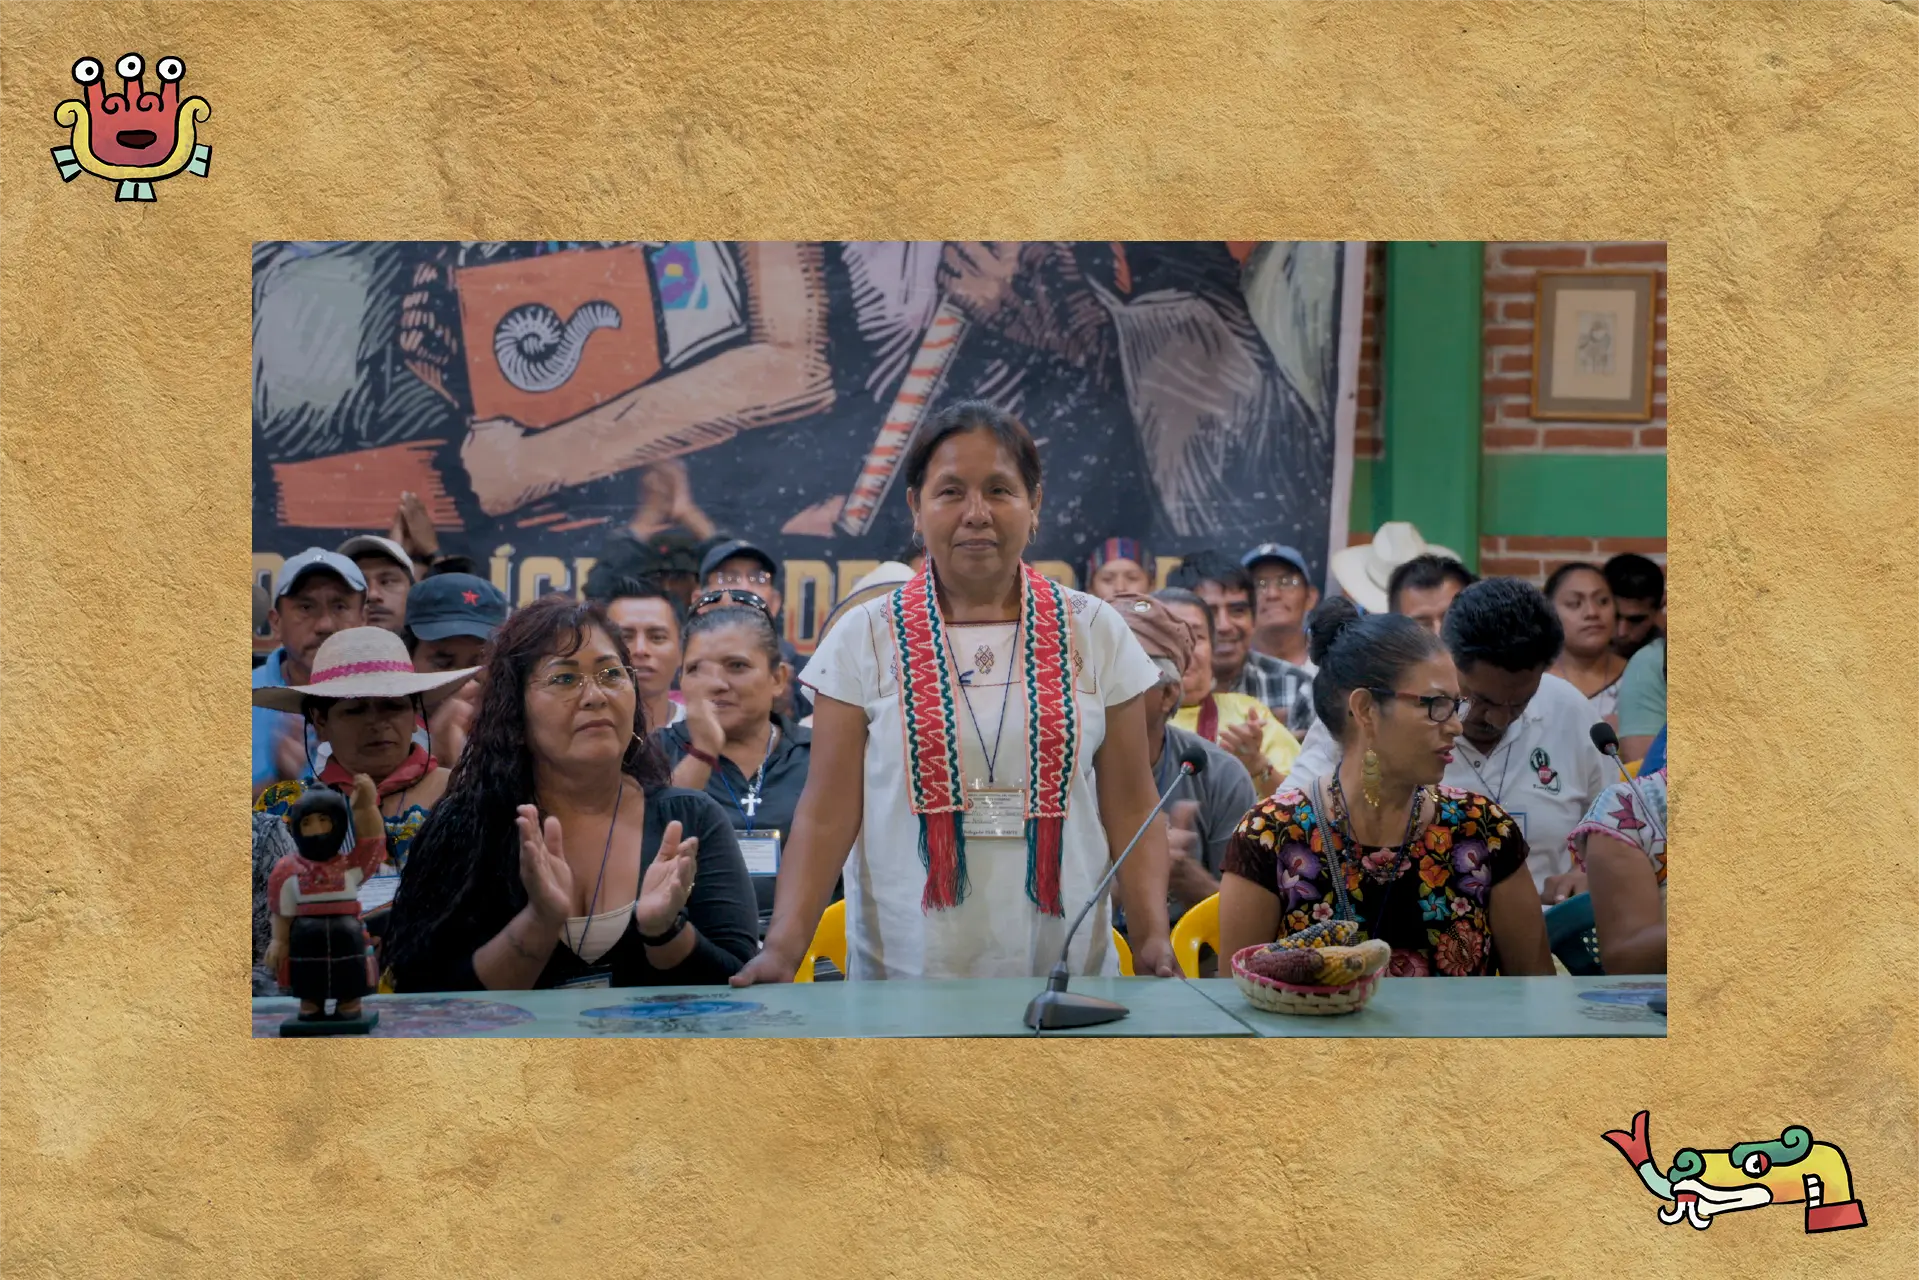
(829, 941)
(1632, 770)
(1198, 927)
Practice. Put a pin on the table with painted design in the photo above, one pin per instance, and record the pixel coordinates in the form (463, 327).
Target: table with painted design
(1470, 1008)
(979, 1007)
(989, 1007)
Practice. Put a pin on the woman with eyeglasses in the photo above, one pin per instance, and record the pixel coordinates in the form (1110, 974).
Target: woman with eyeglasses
(733, 743)
(1435, 871)
(561, 855)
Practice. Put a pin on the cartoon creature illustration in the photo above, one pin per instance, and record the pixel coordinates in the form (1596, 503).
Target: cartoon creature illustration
(133, 137)
(1792, 1169)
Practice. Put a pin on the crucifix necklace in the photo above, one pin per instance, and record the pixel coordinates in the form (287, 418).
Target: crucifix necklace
(751, 805)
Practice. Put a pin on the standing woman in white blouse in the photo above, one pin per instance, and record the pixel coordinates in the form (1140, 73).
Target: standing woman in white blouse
(979, 749)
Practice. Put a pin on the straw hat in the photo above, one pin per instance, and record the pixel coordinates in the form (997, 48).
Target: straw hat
(364, 662)
(1363, 573)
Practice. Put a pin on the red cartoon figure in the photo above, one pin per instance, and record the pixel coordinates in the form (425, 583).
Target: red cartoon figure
(133, 137)
(319, 949)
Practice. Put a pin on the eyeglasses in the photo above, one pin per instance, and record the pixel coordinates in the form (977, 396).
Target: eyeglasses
(757, 578)
(1440, 707)
(744, 598)
(1269, 583)
(571, 683)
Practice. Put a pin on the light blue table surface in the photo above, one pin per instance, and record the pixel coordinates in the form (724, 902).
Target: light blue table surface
(986, 1007)
(1471, 1008)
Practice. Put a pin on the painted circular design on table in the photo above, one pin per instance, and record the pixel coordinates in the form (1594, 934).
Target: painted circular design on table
(400, 1019)
(671, 1007)
(1631, 993)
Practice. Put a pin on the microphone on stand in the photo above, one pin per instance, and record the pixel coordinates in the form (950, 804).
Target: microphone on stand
(1057, 1007)
(1608, 743)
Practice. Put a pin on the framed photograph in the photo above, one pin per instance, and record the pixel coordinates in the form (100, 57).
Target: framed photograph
(1592, 345)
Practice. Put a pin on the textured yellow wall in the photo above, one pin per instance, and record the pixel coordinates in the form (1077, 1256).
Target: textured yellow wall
(144, 1133)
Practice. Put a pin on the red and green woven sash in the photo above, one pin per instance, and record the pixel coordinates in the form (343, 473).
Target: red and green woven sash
(929, 714)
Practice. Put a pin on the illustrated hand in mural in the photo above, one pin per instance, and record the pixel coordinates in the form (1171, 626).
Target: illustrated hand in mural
(977, 276)
(1030, 292)
(413, 529)
(666, 501)
(497, 462)
(428, 346)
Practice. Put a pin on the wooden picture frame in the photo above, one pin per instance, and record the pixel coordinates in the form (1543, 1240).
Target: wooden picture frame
(1593, 335)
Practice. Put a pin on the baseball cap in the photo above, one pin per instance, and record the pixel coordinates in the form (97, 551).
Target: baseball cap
(317, 560)
(454, 604)
(1275, 551)
(735, 547)
(372, 544)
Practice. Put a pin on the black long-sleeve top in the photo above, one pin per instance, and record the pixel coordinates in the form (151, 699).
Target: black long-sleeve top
(721, 908)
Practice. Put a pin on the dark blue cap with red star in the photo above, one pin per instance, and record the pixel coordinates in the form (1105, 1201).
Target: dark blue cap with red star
(454, 604)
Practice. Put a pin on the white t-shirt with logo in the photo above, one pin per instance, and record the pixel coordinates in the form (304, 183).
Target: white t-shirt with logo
(1545, 771)
(996, 932)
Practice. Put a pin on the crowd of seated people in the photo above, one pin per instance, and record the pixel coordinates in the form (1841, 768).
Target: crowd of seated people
(602, 788)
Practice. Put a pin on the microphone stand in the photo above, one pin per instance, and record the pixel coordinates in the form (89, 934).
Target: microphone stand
(1056, 1007)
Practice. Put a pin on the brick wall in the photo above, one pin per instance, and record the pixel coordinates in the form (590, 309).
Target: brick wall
(1535, 558)
(1512, 271)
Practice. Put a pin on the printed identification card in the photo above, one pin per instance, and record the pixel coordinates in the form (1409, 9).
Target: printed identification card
(590, 980)
(997, 813)
(1519, 816)
(378, 892)
(761, 849)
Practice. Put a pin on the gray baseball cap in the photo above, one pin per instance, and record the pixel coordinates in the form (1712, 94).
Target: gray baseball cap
(317, 560)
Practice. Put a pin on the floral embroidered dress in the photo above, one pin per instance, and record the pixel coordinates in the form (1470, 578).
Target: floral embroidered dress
(1428, 902)
(1617, 812)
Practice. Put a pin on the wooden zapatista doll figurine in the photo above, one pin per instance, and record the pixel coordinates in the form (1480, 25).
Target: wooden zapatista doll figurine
(320, 950)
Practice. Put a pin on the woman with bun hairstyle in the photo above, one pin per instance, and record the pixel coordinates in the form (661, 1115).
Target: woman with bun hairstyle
(1433, 870)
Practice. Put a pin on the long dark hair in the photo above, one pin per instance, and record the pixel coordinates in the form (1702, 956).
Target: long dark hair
(465, 860)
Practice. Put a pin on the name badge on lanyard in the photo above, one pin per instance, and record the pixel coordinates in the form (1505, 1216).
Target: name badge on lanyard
(590, 980)
(761, 849)
(997, 813)
(1519, 816)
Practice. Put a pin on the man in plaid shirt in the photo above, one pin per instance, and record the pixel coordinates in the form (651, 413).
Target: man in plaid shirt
(1227, 589)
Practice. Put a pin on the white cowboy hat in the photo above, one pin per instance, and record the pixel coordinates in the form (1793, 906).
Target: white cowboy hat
(1363, 572)
(363, 662)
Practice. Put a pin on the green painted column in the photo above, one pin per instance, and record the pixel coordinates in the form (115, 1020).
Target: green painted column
(1429, 390)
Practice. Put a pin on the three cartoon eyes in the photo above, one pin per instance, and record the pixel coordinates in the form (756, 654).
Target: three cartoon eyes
(88, 70)
(1756, 1164)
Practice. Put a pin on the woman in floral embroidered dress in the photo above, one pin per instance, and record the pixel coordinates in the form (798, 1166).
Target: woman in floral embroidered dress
(1430, 869)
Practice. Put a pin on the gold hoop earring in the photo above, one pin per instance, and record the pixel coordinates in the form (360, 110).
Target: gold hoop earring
(1369, 778)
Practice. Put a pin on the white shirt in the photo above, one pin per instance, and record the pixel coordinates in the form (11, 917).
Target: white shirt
(996, 932)
(1545, 771)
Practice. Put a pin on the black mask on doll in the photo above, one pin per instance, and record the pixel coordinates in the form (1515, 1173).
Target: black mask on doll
(318, 823)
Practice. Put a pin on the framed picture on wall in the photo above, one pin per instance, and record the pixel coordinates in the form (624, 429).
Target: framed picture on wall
(1592, 345)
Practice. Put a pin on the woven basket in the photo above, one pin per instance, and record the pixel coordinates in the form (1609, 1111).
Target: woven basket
(1287, 997)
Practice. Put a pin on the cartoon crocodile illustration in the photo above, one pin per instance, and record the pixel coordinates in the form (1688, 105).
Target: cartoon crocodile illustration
(1701, 1184)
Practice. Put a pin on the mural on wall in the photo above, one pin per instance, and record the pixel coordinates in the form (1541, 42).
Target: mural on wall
(544, 398)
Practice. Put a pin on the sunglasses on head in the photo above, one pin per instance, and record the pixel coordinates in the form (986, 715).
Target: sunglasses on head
(725, 596)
